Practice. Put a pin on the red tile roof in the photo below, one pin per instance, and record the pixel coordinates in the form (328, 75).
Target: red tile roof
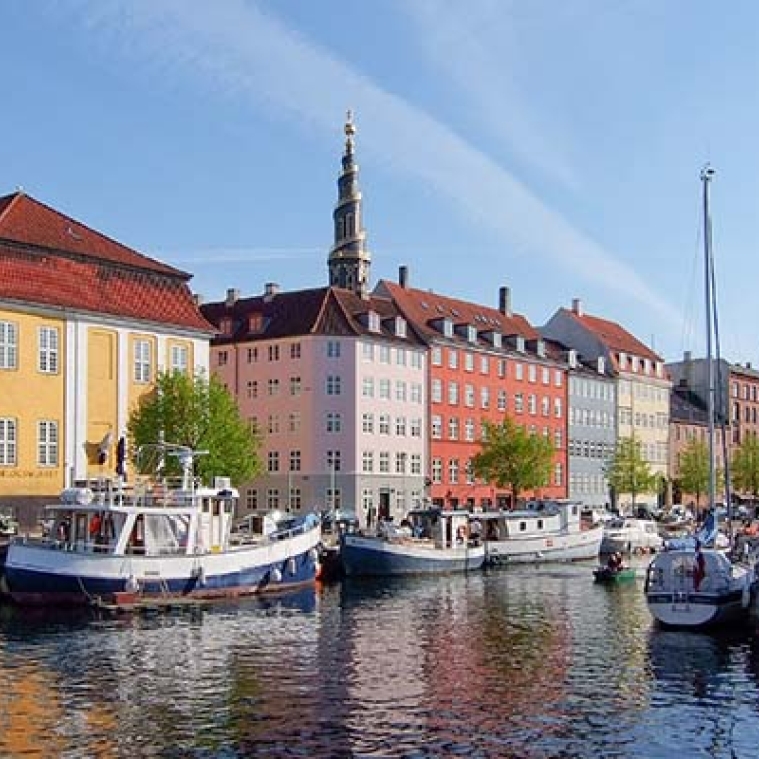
(48, 259)
(614, 337)
(25, 220)
(422, 307)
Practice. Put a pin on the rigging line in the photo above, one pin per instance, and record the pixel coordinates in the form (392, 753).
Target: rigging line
(688, 326)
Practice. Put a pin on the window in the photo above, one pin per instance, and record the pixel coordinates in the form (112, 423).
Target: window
(519, 371)
(400, 391)
(502, 400)
(8, 442)
(453, 428)
(384, 424)
(48, 350)
(334, 421)
(8, 345)
(384, 389)
(485, 397)
(469, 396)
(416, 427)
(273, 426)
(484, 365)
(453, 471)
(333, 349)
(295, 461)
(416, 392)
(367, 351)
(179, 358)
(47, 443)
(437, 356)
(295, 350)
(252, 355)
(416, 463)
(384, 461)
(400, 426)
(468, 362)
(437, 471)
(142, 360)
(333, 385)
(532, 373)
(400, 463)
(273, 460)
(273, 353)
(453, 393)
(294, 421)
(367, 461)
(453, 359)
(436, 391)
(272, 499)
(296, 386)
(469, 430)
(367, 423)
(384, 356)
(400, 357)
(333, 461)
(437, 426)
(367, 387)
(252, 386)
(273, 387)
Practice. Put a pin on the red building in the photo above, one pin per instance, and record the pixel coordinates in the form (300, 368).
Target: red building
(485, 363)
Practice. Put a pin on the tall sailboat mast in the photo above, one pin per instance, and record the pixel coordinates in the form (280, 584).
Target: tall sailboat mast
(707, 174)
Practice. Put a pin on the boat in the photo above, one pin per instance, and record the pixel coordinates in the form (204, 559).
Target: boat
(160, 539)
(609, 576)
(427, 541)
(631, 535)
(541, 531)
(693, 584)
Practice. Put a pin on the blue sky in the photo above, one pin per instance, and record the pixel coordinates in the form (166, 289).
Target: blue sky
(551, 146)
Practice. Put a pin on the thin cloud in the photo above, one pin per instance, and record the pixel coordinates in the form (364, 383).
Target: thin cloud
(237, 255)
(246, 53)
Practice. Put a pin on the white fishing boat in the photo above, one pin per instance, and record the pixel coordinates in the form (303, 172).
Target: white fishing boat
(542, 531)
(159, 539)
(693, 584)
(428, 541)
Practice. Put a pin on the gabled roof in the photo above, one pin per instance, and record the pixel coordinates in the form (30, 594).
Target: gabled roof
(613, 336)
(28, 222)
(50, 260)
(318, 311)
(422, 308)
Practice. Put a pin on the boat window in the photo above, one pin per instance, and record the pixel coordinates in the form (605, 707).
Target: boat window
(540, 524)
(522, 526)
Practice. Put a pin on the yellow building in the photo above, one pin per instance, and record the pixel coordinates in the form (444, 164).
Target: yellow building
(85, 325)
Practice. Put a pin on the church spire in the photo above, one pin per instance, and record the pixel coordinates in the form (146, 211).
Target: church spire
(349, 261)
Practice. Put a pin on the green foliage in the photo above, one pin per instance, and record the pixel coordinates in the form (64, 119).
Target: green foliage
(744, 468)
(513, 458)
(628, 471)
(693, 468)
(202, 415)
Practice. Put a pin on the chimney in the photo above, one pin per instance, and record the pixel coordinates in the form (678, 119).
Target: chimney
(577, 306)
(198, 299)
(233, 296)
(504, 301)
(270, 290)
(403, 276)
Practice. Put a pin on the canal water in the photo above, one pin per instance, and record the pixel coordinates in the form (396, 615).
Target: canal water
(520, 662)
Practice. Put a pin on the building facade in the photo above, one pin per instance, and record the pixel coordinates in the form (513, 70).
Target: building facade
(85, 325)
(485, 363)
(642, 387)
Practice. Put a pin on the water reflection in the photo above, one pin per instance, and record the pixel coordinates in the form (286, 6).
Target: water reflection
(529, 662)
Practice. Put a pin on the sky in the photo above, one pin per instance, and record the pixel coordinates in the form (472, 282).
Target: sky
(551, 147)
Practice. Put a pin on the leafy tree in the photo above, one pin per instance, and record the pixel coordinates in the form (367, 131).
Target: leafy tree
(628, 471)
(744, 468)
(202, 415)
(693, 469)
(513, 458)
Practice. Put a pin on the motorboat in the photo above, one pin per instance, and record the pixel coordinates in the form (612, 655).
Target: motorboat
(427, 541)
(540, 531)
(630, 535)
(159, 539)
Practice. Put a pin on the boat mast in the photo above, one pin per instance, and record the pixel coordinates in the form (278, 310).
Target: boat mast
(707, 174)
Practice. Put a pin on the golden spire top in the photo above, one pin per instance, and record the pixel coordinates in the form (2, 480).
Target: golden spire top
(350, 127)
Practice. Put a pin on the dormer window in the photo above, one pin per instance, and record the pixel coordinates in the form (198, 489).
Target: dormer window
(601, 365)
(520, 343)
(622, 360)
(541, 349)
(572, 358)
(255, 323)
(647, 364)
(400, 326)
(447, 328)
(659, 369)
(471, 333)
(226, 325)
(373, 322)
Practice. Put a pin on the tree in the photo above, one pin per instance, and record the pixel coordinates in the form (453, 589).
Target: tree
(628, 471)
(513, 458)
(202, 415)
(744, 468)
(693, 468)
